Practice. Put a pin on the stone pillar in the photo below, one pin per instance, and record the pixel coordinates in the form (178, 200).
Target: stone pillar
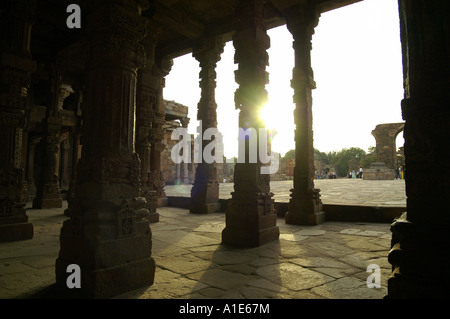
(184, 166)
(16, 66)
(420, 238)
(146, 94)
(75, 158)
(48, 194)
(305, 206)
(205, 191)
(250, 217)
(48, 190)
(32, 143)
(65, 156)
(108, 235)
(161, 70)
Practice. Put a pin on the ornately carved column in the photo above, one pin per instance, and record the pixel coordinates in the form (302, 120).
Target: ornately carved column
(250, 218)
(48, 190)
(161, 70)
(305, 206)
(146, 97)
(420, 255)
(16, 67)
(205, 191)
(108, 235)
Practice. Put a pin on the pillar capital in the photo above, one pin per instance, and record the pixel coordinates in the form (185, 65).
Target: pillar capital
(301, 21)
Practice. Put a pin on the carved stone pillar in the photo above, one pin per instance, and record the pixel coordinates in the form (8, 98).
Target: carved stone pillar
(146, 97)
(32, 143)
(108, 235)
(305, 206)
(65, 162)
(161, 70)
(205, 191)
(48, 190)
(250, 218)
(48, 193)
(75, 158)
(420, 238)
(184, 166)
(16, 67)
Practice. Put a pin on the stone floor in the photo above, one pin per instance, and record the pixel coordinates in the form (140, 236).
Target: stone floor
(328, 261)
(342, 191)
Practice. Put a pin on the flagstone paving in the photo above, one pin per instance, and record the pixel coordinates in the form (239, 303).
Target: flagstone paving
(333, 191)
(327, 261)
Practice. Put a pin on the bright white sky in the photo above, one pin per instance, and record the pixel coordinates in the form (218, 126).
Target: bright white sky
(357, 63)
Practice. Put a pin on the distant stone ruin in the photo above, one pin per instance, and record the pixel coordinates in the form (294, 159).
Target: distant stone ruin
(385, 136)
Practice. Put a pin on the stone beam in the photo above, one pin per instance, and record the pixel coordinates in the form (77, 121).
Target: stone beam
(180, 22)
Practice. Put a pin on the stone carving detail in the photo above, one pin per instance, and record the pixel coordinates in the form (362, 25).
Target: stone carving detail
(7, 207)
(11, 177)
(125, 220)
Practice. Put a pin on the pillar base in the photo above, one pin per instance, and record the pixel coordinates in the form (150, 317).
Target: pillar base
(305, 219)
(419, 261)
(106, 282)
(153, 218)
(162, 202)
(14, 223)
(378, 171)
(152, 204)
(305, 209)
(250, 220)
(15, 232)
(205, 208)
(204, 196)
(43, 203)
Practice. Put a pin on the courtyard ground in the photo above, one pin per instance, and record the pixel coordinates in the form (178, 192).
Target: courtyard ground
(327, 261)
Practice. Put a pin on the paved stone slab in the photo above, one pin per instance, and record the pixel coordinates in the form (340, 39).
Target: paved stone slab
(292, 276)
(219, 278)
(324, 261)
(183, 238)
(183, 265)
(338, 191)
(293, 237)
(311, 232)
(348, 288)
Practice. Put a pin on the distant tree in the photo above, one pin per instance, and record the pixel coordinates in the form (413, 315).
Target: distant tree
(289, 154)
(323, 157)
(341, 159)
(369, 158)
